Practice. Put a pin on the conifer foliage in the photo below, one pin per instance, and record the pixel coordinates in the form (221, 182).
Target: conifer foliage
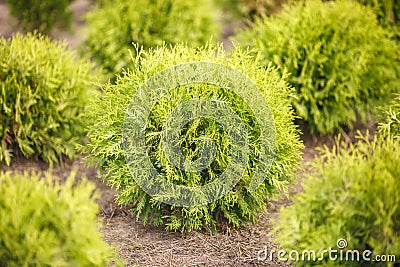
(342, 62)
(45, 223)
(43, 94)
(116, 24)
(237, 206)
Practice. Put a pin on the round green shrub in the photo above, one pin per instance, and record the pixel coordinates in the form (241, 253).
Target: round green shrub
(44, 223)
(116, 24)
(41, 15)
(342, 62)
(352, 193)
(239, 205)
(43, 94)
(388, 11)
(390, 123)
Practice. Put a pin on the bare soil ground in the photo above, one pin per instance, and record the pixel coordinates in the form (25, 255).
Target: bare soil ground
(152, 246)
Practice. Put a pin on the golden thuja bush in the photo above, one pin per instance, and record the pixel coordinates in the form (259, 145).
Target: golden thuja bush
(43, 94)
(342, 62)
(42, 16)
(108, 149)
(45, 223)
(115, 25)
(351, 193)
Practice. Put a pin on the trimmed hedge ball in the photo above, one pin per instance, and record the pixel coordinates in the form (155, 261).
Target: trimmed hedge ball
(109, 149)
(114, 26)
(342, 62)
(43, 94)
(45, 223)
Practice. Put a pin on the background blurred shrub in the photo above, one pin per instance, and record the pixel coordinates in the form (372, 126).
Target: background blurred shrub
(116, 24)
(239, 205)
(41, 15)
(388, 11)
(250, 8)
(43, 93)
(44, 223)
(352, 193)
(342, 62)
